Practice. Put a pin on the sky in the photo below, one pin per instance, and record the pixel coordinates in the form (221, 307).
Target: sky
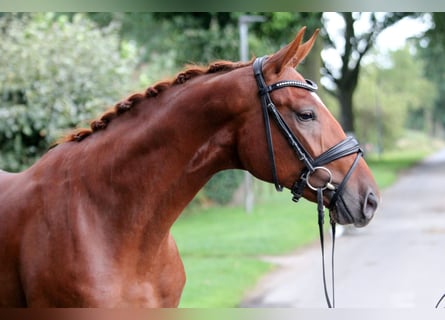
(390, 39)
(395, 37)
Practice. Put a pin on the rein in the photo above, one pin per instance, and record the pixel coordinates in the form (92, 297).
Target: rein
(440, 300)
(344, 148)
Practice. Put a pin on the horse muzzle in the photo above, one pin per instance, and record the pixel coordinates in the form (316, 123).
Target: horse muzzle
(359, 213)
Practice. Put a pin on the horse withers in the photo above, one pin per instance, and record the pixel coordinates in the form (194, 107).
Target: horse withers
(89, 223)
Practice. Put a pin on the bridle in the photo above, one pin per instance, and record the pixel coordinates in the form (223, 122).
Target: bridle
(342, 149)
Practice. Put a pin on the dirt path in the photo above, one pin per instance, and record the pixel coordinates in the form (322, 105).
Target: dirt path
(398, 260)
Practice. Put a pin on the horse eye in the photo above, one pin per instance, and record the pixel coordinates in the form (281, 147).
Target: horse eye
(305, 116)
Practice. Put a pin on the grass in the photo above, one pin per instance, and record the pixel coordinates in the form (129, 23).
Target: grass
(221, 246)
(387, 168)
(412, 148)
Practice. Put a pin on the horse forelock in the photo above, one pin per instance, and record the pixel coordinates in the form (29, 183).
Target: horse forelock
(192, 71)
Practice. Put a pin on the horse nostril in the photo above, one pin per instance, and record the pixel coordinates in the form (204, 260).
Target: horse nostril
(370, 206)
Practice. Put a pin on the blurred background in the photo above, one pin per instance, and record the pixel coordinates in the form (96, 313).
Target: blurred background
(381, 75)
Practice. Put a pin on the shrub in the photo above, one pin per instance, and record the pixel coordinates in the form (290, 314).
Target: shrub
(55, 73)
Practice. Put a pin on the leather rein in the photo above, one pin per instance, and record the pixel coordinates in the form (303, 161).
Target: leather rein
(344, 148)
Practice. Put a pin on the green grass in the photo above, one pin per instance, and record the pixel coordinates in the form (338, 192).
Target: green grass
(387, 168)
(215, 282)
(221, 246)
(409, 150)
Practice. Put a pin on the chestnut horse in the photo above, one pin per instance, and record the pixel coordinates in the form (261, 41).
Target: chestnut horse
(89, 223)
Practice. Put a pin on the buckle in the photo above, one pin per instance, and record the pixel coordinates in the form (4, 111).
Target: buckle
(298, 187)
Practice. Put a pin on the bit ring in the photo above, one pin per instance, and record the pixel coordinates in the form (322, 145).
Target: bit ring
(328, 184)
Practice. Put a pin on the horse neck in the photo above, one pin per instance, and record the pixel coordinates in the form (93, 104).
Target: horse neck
(154, 162)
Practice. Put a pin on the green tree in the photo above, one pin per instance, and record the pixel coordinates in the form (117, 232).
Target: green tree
(281, 27)
(206, 36)
(169, 40)
(432, 52)
(388, 94)
(352, 48)
(54, 74)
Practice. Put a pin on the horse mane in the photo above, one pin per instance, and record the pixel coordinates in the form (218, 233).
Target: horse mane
(191, 71)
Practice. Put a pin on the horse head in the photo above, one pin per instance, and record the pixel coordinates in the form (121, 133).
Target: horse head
(289, 137)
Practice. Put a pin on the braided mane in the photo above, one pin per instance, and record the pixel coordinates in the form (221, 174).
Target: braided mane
(121, 107)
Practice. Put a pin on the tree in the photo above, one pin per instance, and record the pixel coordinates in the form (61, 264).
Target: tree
(352, 47)
(54, 74)
(432, 51)
(385, 100)
(201, 37)
(281, 27)
(206, 36)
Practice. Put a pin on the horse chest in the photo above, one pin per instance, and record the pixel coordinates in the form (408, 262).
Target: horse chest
(97, 276)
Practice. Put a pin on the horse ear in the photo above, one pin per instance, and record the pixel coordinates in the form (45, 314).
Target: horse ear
(295, 52)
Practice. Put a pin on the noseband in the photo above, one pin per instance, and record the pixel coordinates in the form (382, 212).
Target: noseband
(342, 149)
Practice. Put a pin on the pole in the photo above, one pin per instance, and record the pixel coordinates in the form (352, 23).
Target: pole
(243, 24)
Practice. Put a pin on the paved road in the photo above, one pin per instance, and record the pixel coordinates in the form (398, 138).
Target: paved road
(398, 260)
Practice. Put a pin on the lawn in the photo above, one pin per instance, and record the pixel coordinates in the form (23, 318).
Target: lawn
(221, 246)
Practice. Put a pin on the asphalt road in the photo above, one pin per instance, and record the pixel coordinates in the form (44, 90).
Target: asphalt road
(397, 261)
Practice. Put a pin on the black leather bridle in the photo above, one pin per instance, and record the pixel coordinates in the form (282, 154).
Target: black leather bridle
(342, 149)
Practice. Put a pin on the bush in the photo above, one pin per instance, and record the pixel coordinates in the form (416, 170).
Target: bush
(55, 73)
(221, 187)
